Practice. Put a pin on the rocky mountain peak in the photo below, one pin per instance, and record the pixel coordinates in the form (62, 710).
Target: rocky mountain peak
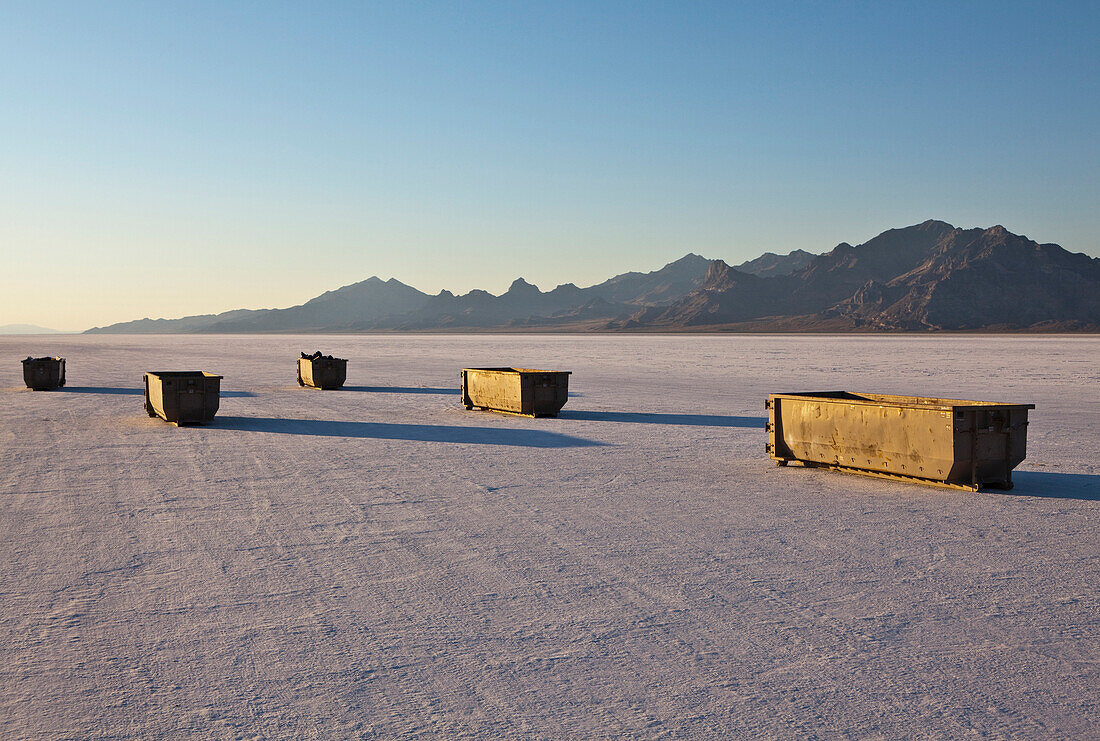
(519, 285)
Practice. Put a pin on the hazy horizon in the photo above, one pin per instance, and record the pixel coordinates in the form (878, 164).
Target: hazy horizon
(165, 162)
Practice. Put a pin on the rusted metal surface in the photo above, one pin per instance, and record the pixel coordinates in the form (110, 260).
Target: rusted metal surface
(526, 391)
(322, 371)
(43, 374)
(949, 442)
(182, 397)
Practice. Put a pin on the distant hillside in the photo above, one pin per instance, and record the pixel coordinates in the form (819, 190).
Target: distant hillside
(26, 329)
(374, 304)
(930, 276)
(992, 279)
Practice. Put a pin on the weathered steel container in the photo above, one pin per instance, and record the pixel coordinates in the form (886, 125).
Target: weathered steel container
(322, 371)
(43, 374)
(533, 393)
(182, 397)
(947, 442)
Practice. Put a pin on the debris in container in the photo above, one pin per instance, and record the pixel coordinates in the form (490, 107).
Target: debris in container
(321, 371)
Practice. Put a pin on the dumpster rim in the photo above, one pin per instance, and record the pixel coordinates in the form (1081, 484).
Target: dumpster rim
(182, 374)
(899, 400)
(518, 371)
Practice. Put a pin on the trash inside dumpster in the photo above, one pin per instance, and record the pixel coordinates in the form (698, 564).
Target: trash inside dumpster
(322, 371)
(182, 397)
(949, 442)
(43, 374)
(526, 391)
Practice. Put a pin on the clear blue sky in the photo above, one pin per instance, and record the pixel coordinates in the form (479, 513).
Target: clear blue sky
(161, 159)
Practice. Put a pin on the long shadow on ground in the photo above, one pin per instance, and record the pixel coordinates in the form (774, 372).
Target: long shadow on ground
(697, 420)
(1084, 486)
(400, 389)
(513, 436)
(417, 390)
(134, 392)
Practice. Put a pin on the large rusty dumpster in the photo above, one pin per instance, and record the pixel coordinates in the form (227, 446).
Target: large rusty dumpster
(182, 397)
(43, 374)
(322, 371)
(533, 393)
(948, 442)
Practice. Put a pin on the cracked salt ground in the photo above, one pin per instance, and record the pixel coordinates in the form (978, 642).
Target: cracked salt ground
(377, 561)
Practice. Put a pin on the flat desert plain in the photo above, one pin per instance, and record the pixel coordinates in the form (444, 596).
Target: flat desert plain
(379, 562)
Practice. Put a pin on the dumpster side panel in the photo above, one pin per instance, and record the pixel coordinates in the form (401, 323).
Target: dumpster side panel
(305, 372)
(183, 397)
(492, 390)
(948, 441)
(526, 394)
(170, 399)
(330, 374)
(525, 391)
(322, 373)
(190, 404)
(154, 396)
(211, 397)
(44, 374)
(170, 392)
(989, 443)
(549, 392)
(1017, 448)
(337, 370)
(154, 406)
(896, 440)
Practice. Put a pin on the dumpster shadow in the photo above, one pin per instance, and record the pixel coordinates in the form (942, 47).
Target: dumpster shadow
(696, 420)
(518, 437)
(134, 392)
(1084, 486)
(418, 390)
(401, 390)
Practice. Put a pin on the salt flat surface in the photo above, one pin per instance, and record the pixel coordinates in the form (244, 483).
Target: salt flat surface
(378, 561)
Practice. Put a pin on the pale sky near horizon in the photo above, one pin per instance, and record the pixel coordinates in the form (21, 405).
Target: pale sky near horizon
(169, 159)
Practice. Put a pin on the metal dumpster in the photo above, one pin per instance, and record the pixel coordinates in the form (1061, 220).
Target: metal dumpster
(182, 397)
(322, 371)
(533, 393)
(947, 442)
(43, 374)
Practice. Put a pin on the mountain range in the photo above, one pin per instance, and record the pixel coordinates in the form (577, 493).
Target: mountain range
(930, 276)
